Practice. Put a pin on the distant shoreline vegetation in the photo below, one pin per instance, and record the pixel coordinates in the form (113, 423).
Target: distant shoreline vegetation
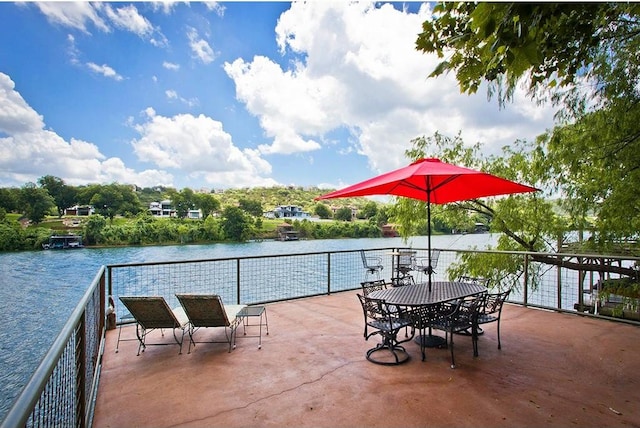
(97, 231)
(121, 215)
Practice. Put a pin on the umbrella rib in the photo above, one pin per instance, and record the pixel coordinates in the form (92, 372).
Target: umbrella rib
(427, 188)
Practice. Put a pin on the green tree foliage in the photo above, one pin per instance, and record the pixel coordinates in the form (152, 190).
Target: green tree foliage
(207, 203)
(369, 210)
(182, 201)
(343, 214)
(10, 199)
(585, 57)
(597, 166)
(556, 46)
(36, 202)
(11, 237)
(235, 223)
(64, 196)
(322, 211)
(114, 199)
(382, 216)
(251, 207)
(212, 230)
(94, 229)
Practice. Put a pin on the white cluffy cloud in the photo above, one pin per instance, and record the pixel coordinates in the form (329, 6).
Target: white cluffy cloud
(28, 150)
(199, 147)
(355, 67)
(200, 47)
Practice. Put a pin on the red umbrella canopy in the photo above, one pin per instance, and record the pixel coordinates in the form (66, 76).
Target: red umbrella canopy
(434, 181)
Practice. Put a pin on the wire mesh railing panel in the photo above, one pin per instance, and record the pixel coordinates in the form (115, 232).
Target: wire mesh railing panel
(169, 279)
(92, 333)
(56, 406)
(283, 277)
(347, 270)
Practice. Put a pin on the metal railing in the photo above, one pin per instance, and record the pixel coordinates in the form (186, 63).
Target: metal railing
(62, 390)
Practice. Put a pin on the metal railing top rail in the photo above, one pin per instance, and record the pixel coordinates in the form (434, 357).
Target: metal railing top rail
(265, 256)
(454, 250)
(20, 411)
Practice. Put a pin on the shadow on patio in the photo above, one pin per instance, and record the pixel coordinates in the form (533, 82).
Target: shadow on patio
(553, 370)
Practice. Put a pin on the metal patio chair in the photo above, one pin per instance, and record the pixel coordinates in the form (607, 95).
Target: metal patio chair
(423, 266)
(385, 322)
(372, 265)
(458, 316)
(490, 309)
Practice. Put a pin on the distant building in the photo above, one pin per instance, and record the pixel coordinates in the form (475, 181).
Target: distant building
(334, 209)
(162, 209)
(287, 211)
(80, 210)
(194, 214)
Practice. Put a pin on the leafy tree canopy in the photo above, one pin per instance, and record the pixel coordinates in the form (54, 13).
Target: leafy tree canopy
(251, 206)
(583, 55)
(579, 50)
(36, 202)
(343, 214)
(64, 196)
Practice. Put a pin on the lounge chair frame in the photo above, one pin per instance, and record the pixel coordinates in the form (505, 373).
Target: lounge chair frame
(151, 313)
(208, 310)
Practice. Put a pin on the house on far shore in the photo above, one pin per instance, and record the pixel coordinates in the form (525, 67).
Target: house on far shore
(287, 211)
(79, 210)
(164, 209)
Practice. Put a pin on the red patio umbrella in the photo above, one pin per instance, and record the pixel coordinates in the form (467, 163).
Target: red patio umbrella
(433, 181)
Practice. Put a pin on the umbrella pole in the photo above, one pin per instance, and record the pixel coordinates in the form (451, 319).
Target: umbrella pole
(429, 340)
(429, 235)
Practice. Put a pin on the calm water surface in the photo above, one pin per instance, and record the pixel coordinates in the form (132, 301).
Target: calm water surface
(40, 289)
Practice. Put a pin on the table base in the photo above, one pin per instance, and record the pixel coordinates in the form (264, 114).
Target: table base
(388, 356)
(467, 332)
(431, 341)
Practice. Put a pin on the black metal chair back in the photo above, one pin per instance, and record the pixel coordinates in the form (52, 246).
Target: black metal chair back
(385, 320)
(491, 310)
(460, 315)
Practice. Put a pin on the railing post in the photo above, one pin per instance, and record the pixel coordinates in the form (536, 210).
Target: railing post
(328, 273)
(525, 294)
(103, 302)
(559, 282)
(110, 280)
(237, 281)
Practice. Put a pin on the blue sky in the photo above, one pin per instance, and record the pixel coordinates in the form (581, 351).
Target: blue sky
(229, 94)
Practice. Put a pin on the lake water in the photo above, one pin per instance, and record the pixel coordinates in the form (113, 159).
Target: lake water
(40, 289)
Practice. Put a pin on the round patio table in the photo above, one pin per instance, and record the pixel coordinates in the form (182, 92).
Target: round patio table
(416, 295)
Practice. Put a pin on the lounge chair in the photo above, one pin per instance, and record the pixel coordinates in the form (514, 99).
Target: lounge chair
(207, 310)
(153, 312)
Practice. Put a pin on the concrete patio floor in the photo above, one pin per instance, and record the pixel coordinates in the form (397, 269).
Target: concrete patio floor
(553, 370)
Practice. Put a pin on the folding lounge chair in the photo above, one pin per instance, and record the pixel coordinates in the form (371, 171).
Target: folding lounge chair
(207, 310)
(153, 312)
